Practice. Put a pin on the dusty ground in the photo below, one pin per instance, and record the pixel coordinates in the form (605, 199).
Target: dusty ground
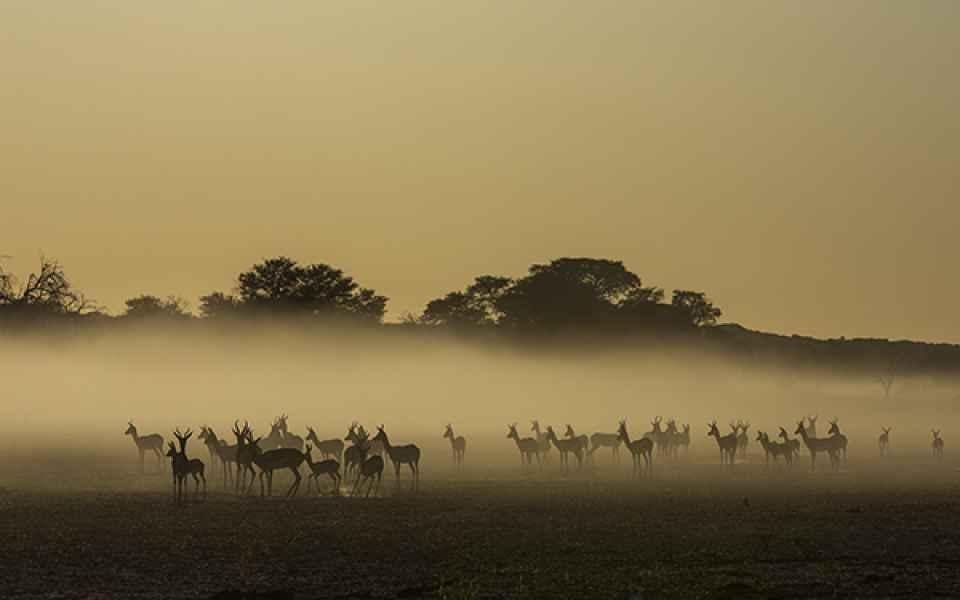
(876, 530)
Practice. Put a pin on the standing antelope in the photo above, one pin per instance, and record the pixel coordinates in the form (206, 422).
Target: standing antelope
(937, 444)
(290, 440)
(684, 439)
(274, 439)
(458, 444)
(605, 440)
(566, 447)
(332, 448)
(528, 447)
(656, 434)
(583, 440)
(211, 442)
(839, 439)
(774, 449)
(372, 468)
(816, 445)
(408, 454)
(727, 443)
(244, 458)
(742, 438)
(272, 460)
(183, 466)
(792, 444)
(812, 427)
(355, 455)
(541, 440)
(884, 440)
(642, 448)
(224, 453)
(329, 467)
(152, 442)
(671, 437)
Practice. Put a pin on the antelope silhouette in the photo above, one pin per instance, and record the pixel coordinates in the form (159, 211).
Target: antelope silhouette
(884, 440)
(148, 443)
(639, 449)
(458, 444)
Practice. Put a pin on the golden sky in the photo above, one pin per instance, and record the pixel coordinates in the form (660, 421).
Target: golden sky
(796, 160)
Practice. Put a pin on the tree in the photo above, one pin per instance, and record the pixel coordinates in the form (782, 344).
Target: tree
(475, 306)
(151, 307)
(48, 291)
(219, 305)
(698, 308)
(282, 286)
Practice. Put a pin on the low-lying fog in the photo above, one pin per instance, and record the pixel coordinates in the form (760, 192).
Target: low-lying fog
(83, 391)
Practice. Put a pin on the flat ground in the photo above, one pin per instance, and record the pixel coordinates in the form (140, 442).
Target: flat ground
(874, 530)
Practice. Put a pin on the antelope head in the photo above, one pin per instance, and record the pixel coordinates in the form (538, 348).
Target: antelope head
(534, 425)
(182, 438)
(713, 429)
(449, 432)
(171, 450)
(131, 430)
(734, 426)
(512, 433)
(801, 430)
(569, 432)
(834, 428)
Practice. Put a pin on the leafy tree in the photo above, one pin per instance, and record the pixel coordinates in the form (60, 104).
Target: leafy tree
(219, 305)
(146, 306)
(698, 308)
(477, 305)
(282, 286)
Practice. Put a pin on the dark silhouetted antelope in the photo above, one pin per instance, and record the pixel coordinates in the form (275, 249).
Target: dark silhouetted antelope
(839, 439)
(458, 444)
(355, 455)
(726, 443)
(329, 467)
(225, 454)
(332, 448)
(937, 444)
(642, 448)
(583, 440)
(742, 438)
(528, 447)
(274, 460)
(541, 439)
(792, 444)
(657, 435)
(183, 466)
(817, 445)
(370, 470)
(775, 450)
(566, 447)
(244, 458)
(884, 440)
(408, 454)
(152, 443)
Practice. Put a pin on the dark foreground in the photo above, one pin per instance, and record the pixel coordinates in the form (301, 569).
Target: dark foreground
(874, 532)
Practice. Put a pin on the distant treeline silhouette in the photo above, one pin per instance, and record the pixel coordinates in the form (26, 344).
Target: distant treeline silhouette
(579, 299)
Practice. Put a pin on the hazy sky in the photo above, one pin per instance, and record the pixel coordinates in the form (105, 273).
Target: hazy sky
(796, 160)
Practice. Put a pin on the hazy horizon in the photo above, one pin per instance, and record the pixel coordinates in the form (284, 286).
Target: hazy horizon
(795, 161)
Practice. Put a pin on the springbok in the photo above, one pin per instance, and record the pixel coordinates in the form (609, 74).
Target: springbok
(458, 444)
(937, 444)
(272, 460)
(816, 445)
(244, 458)
(839, 439)
(541, 439)
(792, 444)
(605, 440)
(583, 440)
(329, 467)
(408, 454)
(528, 447)
(566, 447)
(211, 442)
(774, 449)
(290, 440)
(812, 427)
(183, 466)
(355, 455)
(684, 439)
(670, 438)
(374, 447)
(656, 434)
(727, 443)
(224, 453)
(332, 448)
(152, 442)
(372, 468)
(742, 438)
(638, 448)
(274, 439)
(884, 440)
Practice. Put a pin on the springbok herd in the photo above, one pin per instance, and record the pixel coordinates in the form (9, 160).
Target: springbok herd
(363, 459)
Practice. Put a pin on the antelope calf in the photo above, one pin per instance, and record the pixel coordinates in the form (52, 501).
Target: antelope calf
(329, 467)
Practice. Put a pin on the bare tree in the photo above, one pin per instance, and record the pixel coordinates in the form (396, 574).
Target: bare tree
(887, 377)
(48, 290)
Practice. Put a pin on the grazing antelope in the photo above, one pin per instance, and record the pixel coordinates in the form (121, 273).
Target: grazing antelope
(290, 440)
(937, 444)
(566, 447)
(458, 444)
(408, 454)
(332, 448)
(792, 444)
(583, 440)
(329, 467)
(605, 440)
(817, 445)
(244, 458)
(152, 442)
(183, 466)
(372, 468)
(839, 439)
(742, 438)
(541, 439)
(272, 460)
(642, 448)
(727, 443)
(355, 455)
(528, 447)
(884, 440)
